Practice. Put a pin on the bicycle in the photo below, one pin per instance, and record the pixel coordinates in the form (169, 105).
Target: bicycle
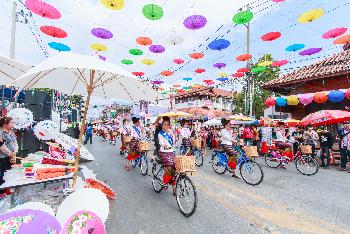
(247, 167)
(185, 191)
(275, 158)
(142, 162)
(195, 152)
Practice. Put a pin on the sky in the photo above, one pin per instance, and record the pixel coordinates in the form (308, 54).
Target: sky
(80, 16)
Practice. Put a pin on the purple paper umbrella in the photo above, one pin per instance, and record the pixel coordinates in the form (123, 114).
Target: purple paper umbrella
(219, 65)
(310, 51)
(157, 49)
(102, 33)
(157, 82)
(195, 22)
(102, 57)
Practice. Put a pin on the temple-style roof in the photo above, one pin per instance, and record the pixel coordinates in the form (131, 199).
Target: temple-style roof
(212, 92)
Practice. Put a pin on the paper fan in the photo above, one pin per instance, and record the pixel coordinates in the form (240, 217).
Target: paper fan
(46, 130)
(22, 118)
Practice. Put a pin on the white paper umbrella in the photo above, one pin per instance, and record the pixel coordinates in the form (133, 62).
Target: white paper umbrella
(34, 206)
(85, 199)
(46, 130)
(175, 40)
(22, 117)
(10, 69)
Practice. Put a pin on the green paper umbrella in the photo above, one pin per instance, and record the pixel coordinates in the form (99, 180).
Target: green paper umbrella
(258, 69)
(186, 88)
(164, 92)
(242, 17)
(135, 52)
(127, 61)
(152, 12)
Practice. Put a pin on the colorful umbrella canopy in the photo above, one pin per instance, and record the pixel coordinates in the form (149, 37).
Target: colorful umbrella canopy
(186, 88)
(219, 65)
(291, 123)
(325, 117)
(176, 86)
(243, 70)
(269, 102)
(279, 63)
(53, 31)
(336, 96)
(83, 222)
(135, 52)
(127, 61)
(176, 114)
(320, 97)
(102, 33)
(295, 47)
(103, 58)
(310, 51)
(305, 99)
(113, 4)
(139, 74)
(238, 74)
(342, 40)
(222, 79)
(219, 44)
(148, 61)
(157, 82)
(187, 79)
(207, 81)
(265, 63)
(223, 74)
(195, 22)
(167, 73)
(99, 47)
(199, 70)
(152, 12)
(178, 61)
(311, 15)
(347, 94)
(292, 100)
(242, 17)
(258, 69)
(145, 41)
(197, 55)
(43, 9)
(157, 49)
(271, 36)
(244, 57)
(280, 101)
(59, 46)
(333, 33)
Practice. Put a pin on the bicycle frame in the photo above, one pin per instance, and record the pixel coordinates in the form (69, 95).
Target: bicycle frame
(277, 155)
(223, 160)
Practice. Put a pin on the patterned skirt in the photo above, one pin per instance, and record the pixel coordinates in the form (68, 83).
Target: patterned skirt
(167, 158)
(228, 149)
(134, 149)
(186, 142)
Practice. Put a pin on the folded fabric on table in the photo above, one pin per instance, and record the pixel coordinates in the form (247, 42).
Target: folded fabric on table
(45, 171)
(47, 175)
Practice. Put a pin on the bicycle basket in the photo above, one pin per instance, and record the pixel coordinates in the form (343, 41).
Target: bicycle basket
(185, 164)
(306, 149)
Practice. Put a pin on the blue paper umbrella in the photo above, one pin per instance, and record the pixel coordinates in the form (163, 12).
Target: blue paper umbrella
(219, 44)
(59, 46)
(222, 79)
(336, 96)
(281, 101)
(295, 47)
(187, 79)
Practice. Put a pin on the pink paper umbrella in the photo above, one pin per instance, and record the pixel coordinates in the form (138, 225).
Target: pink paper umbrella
(43, 9)
(333, 33)
(84, 222)
(305, 99)
(178, 61)
(279, 63)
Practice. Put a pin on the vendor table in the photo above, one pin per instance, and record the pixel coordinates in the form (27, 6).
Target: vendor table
(16, 179)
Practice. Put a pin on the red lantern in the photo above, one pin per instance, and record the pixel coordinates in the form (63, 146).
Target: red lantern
(269, 102)
(320, 97)
(347, 94)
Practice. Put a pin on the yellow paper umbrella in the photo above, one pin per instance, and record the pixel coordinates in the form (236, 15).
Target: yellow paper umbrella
(310, 16)
(148, 61)
(223, 74)
(265, 64)
(99, 47)
(292, 100)
(113, 4)
(176, 114)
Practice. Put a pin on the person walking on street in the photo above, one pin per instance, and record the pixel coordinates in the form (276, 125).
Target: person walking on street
(247, 136)
(326, 144)
(76, 131)
(344, 145)
(298, 138)
(88, 134)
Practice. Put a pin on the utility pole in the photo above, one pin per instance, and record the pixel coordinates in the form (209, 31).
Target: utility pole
(249, 79)
(13, 30)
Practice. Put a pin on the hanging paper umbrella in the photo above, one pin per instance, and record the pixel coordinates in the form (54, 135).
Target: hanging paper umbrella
(243, 70)
(292, 100)
(281, 102)
(207, 81)
(200, 70)
(243, 57)
(197, 55)
(219, 65)
(139, 74)
(103, 58)
(310, 16)
(295, 47)
(157, 82)
(222, 79)
(152, 12)
(127, 62)
(219, 44)
(238, 74)
(43, 9)
(258, 69)
(178, 61)
(325, 117)
(164, 92)
(223, 74)
(175, 40)
(186, 88)
(320, 97)
(187, 79)
(99, 47)
(310, 51)
(269, 102)
(148, 61)
(180, 91)
(53, 31)
(279, 63)
(103, 187)
(347, 94)
(59, 46)
(113, 4)
(242, 17)
(167, 73)
(135, 52)
(157, 49)
(336, 96)
(145, 41)
(342, 40)
(46, 130)
(265, 63)
(333, 33)
(84, 222)
(278, 0)
(22, 118)
(305, 99)
(102, 33)
(176, 86)
(271, 36)
(195, 22)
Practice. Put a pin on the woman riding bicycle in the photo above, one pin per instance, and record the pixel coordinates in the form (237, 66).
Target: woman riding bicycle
(167, 152)
(282, 142)
(136, 135)
(185, 134)
(124, 131)
(227, 145)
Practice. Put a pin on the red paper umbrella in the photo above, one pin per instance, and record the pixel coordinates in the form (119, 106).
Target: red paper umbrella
(320, 97)
(200, 70)
(279, 63)
(244, 57)
(144, 41)
(138, 74)
(53, 31)
(243, 70)
(347, 94)
(197, 55)
(178, 61)
(207, 81)
(167, 73)
(180, 91)
(238, 74)
(333, 33)
(43, 9)
(270, 102)
(342, 40)
(271, 36)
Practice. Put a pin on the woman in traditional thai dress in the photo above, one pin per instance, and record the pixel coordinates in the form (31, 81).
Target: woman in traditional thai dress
(136, 136)
(185, 135)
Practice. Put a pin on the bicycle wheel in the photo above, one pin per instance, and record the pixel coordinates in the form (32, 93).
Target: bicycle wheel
(271, 161)
(306, 165)
(217, 166)
(199, 157)
(144, 165)
(157, 182)
(134, 162)
(251, 172)
(186, 195)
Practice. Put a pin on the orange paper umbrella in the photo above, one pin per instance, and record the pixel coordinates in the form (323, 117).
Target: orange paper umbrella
(197, 55)
(244, 57)
(103, 187)
(342, 40)
(167, 73)
(176, 86)
(320, 97)
(144, 41)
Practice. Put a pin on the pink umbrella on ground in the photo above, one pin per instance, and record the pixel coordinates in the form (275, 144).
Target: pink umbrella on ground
(326, 117)
(43, 9)
(84, 222)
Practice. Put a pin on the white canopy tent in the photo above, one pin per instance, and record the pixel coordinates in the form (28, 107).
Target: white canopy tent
(212, 122)
(11, 69)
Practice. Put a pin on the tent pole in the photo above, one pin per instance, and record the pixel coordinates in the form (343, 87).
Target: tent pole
(86, 107)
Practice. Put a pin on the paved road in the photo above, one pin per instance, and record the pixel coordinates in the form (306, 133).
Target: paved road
(285, 202)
